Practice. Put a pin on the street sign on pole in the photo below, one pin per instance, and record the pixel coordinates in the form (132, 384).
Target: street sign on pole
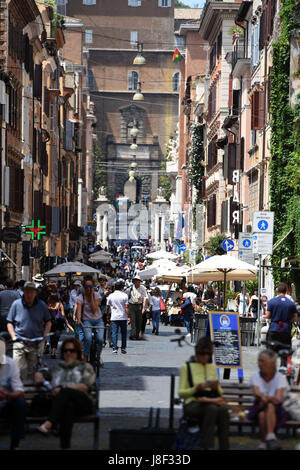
(183, 247)
(263, 222)
(263, 226)
(245, 247)
(228, 244)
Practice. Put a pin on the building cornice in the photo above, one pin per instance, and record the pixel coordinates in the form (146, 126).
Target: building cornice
(213, 12)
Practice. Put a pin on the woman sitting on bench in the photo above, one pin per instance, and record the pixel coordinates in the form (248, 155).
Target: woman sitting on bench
(200, 388)
(268, 388)
(70, 381)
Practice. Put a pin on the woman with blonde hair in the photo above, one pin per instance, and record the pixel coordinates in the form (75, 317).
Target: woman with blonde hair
(155, 311)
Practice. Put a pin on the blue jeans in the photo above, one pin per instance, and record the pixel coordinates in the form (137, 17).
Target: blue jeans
(88, 334)
(155, 319)
(115, 325)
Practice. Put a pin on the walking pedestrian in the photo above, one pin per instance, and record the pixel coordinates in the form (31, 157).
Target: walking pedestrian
(242, 302)
(137, 296)
(188, 307)
(118, 311)
(282, 312)
(28, 317)
(58, 319)
(156, 311)
(7, 297)
(89, 314)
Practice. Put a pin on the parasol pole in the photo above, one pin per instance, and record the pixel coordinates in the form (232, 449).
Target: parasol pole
(224, 290)
(168, 293)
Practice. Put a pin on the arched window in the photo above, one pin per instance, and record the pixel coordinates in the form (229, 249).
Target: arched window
(133, 78)
(176, 80)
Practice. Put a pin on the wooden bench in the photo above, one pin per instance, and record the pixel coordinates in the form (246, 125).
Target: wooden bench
(30, 391)
(239, 397)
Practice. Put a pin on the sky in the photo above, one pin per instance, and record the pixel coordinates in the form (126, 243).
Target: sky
(194, 3)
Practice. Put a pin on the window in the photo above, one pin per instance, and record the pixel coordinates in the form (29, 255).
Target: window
(133, 78)
(89, 2)
(164, 3)
(212, 154)
(133, 38)
(253, 193)
(211, 211)
(180, 41)
(90, 79)
(134, 3)
(88, 36)
(176, 81)
(255, 45)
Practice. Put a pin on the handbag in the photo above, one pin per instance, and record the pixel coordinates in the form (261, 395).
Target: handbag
(162, 305)
(291, 404)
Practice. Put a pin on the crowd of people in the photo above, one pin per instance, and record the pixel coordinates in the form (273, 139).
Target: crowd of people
(44, 311)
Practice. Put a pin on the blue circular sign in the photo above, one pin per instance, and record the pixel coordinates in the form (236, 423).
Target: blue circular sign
(228, 244)
(247, 243)
(262, 225)
(183, 247)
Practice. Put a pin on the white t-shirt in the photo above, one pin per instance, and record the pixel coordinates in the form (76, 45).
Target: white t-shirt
(269, 389)
(117, 301)
(155, 302)
(191, 295)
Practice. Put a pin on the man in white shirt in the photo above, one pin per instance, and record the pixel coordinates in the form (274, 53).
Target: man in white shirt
(12, 403)
(137, 298)
(117, 309)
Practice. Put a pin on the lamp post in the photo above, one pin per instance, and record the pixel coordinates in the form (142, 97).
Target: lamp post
(139, 59)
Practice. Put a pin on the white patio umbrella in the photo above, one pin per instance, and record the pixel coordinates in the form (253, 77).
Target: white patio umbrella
(157, 268)
(71, 267)
(222, 268)
(99, 257)
(162, 254)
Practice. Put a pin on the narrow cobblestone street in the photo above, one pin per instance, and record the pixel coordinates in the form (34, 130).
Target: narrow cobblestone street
(132, 383)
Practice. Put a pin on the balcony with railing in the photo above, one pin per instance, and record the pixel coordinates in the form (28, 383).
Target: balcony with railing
(240, 57)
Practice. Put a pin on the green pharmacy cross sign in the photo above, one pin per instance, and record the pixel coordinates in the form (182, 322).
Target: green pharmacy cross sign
(35, 231)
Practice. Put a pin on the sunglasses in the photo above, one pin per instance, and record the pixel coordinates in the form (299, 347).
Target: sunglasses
(69, 350)
(88, 287)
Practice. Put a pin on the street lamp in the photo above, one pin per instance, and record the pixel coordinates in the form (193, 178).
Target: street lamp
(138, 96)
(139, 59)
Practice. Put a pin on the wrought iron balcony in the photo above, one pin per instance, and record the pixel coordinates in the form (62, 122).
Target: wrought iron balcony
(240, 53)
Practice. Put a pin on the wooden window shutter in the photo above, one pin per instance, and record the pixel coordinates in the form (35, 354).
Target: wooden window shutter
(12, 188)
(262, 29)
(48, 218)
(46, 101)
(231, 161)
(254, 111)
(37, 87)
(261, 99)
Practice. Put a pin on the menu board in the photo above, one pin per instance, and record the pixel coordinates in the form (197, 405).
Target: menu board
(225, 333)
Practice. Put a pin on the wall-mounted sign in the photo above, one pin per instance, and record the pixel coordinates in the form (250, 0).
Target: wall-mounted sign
(36, 230)
(11, 234)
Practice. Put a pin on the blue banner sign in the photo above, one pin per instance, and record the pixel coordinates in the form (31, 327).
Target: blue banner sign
(225, 333)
